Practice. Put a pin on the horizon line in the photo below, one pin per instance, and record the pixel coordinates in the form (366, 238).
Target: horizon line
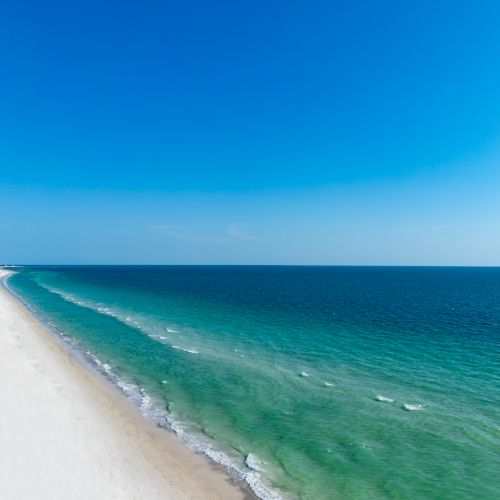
(252, 265)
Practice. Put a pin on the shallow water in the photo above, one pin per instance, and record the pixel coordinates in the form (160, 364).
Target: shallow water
(310, 382)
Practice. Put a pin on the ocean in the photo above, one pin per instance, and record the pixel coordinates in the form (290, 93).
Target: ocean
(305, 382)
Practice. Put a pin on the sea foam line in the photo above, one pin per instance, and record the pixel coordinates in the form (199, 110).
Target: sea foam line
(384, 399)
(125, 319)
(410, 407)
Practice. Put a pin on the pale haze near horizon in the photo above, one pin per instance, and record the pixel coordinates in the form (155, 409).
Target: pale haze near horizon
(435, 218)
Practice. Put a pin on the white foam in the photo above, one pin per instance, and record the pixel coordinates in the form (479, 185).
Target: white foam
(200, 444)
(82, 303)
(383, 399)
(102, 309)
(4, 274)
(254, 463)
(191, 351)
(128, 389)
(257, 485)
(409, 407)
(146, 403)
(328, 384)
(304, 374)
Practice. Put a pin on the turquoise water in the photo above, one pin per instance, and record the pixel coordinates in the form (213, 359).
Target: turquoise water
(309, 382)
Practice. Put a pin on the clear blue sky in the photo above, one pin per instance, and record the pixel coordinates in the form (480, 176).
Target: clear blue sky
(328, 132)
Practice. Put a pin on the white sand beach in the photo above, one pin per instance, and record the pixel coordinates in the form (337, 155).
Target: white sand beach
(66, 434)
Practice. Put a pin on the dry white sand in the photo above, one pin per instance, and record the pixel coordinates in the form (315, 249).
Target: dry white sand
(66, 434)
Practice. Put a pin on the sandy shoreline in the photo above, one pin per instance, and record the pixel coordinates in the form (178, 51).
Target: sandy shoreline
(64, 433)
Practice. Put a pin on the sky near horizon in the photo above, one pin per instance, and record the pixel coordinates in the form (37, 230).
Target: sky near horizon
(259, 132)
